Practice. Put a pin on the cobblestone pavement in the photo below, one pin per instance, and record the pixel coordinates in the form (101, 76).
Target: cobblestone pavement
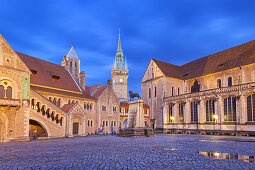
(110, 152)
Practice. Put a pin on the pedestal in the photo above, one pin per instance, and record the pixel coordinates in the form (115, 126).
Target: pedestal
(135, 124)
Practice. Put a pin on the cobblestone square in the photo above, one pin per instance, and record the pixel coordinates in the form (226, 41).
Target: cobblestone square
(164, 151)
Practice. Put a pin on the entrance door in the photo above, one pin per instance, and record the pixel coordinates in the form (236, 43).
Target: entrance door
(75, 128)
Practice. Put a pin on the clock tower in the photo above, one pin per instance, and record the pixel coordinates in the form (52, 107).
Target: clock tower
(120, 74)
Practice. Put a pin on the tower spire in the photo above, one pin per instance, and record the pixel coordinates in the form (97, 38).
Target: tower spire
(119, 43)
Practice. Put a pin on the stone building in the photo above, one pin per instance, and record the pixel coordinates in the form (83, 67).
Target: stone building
(42, 99)
(213, 94)
(108, 105)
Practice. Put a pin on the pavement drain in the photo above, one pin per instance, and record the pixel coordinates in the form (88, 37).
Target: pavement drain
(217, 155)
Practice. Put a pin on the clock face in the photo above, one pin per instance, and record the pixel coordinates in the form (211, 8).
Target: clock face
(121, 80)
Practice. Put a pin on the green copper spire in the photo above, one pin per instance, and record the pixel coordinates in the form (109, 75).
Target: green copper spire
(119, 62)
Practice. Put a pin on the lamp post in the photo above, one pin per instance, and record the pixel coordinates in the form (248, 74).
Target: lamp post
(215, 121)
(172, 121)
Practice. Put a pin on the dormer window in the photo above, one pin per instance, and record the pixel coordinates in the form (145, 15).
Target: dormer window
(55, 76)
(195, 87)
(33, 71)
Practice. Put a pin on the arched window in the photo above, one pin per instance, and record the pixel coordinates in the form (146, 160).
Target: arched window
(59, 102)
(103, 107)
(230, 109)
(85, 106)
(9, 92)
(55, 101)
(61, 121)
(69, 101)
(73, 102)
(181, 111)
(172, 90)
(170, 113)
(1, 92)
(57, 118)
(33, 106)
(230, 81)
(43, 110)
(75, 64)
(155, 91)
(149, 92)
(50, 99)
(91, 123)
(219, 83)
(71, 64)
(48, 113)
(210, 110)
(178, 90)
(90, 107)
(251, 108)
(193, 109)
(88, 123)
(52, 116)
(195, 87)
(38, 105)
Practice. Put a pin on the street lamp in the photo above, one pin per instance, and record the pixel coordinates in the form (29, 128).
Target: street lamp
(172, 118)
(215, 121)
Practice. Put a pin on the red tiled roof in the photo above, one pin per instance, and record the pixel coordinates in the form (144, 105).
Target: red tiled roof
(44, 72)
(67, 107)
(227, 59)
(99, 91)
(81, 95)
(93, 88)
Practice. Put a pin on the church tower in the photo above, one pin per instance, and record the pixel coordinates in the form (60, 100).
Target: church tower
(120, 74)
(72, 63)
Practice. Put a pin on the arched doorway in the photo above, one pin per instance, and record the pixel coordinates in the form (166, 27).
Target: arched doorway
(77, 126)
(36, 130)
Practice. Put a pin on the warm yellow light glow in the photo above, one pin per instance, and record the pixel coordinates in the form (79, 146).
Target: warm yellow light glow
(215, 117)
(172, 118)
(217, 154)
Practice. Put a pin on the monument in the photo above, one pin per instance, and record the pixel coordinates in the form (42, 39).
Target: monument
(135, 124)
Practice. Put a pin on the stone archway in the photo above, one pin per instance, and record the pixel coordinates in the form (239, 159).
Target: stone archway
(36, 129)
(77, 126)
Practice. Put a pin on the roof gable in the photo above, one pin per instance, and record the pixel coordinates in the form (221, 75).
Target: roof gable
(9, 58)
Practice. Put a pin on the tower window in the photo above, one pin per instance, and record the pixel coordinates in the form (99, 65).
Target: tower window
(71, 63)
(149, 92)
(178, 90)
(155, 90)
(172, 90)
(75, 64)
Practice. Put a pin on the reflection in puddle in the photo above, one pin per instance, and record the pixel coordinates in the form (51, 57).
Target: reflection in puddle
(166, 149)
(216, 155)
(212, 141)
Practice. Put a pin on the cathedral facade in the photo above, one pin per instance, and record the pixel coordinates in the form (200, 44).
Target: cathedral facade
(211, 95)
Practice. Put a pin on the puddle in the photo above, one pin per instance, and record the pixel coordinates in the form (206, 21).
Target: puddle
(216, 155)
(211, 141)
(166, 149)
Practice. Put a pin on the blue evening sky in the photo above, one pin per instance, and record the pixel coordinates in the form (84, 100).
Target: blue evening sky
(175, 31)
